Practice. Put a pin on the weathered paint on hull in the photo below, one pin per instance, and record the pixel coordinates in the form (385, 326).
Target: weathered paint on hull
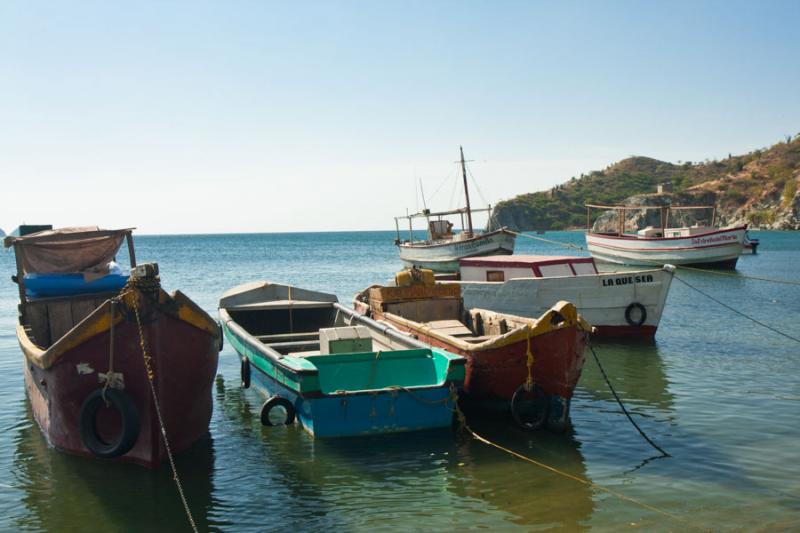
(184, 360)
(353, 414)
(494, 375)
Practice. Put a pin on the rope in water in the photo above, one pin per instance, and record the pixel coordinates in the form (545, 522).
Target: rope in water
(480, 438)
(150, 376)
(622, 406)
(559, 243)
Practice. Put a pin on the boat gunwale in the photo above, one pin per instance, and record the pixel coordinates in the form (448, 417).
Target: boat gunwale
(538, 326)
(98, 322)
(270, 353)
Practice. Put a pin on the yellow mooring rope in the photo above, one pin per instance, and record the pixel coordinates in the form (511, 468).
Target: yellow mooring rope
(150, 377)
(462, 420)
(529, 361)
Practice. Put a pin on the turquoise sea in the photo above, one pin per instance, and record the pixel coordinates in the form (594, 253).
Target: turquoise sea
(720, 393)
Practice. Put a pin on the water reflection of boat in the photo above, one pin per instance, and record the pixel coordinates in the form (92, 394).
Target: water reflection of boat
(537, 498)
(636, 372)
(65, 493)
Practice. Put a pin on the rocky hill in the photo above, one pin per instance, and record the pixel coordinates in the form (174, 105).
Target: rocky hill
(759, 188)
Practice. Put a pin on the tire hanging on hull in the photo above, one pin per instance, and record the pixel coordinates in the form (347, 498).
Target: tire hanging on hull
(129, 416)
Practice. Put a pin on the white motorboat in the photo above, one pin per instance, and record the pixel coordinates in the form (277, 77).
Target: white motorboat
(618, 304)
(691, 245)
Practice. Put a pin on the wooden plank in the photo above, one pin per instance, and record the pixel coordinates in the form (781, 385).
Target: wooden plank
(288, 336)
(36, 318)
(449, 327)
(293, 344)
(59, 314)
(414, 292)
(81, 309)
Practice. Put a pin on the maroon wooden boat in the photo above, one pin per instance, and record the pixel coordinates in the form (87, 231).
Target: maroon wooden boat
(496, 346)
(101, 366)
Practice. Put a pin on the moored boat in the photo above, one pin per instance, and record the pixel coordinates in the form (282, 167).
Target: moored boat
(527, 366)
(617, 304)
(443, 247)
(335, 372)
(696, 245)
(110, 360)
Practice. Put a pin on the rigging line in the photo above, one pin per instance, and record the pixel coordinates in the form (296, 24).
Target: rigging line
(477, 187)
(441, 184)
(453, 193)
(622, 406)
(728, 307)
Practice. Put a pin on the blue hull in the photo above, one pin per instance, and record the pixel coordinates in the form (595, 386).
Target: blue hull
(349, 414)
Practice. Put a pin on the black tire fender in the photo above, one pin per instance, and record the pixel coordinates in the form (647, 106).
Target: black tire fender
(642, 312)
(129, 415)
(277, 401)
(245, 372)
(539, 421)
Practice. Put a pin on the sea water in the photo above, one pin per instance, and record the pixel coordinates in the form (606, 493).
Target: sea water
(717, 391)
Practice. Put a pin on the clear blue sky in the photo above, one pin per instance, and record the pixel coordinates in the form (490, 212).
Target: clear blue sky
(187, 117)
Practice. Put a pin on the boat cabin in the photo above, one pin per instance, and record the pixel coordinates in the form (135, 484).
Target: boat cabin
(505, 267)
(656, 233)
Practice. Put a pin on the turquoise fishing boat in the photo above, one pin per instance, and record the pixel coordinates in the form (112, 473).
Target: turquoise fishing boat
(334, 371)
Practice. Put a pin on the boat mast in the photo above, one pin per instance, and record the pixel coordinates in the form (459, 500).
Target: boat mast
(466, 190)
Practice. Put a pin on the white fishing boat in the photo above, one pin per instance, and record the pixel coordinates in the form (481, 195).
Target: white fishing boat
(687, 245)
(617, 304)
(443, 247)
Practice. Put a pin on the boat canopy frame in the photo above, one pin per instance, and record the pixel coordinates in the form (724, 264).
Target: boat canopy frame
(56, 236)
(427, 215)
(665, 212)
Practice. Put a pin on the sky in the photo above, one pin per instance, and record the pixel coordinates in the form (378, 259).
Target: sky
(216, 117)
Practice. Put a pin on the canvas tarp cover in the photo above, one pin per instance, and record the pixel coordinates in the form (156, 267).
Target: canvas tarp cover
(85, 250)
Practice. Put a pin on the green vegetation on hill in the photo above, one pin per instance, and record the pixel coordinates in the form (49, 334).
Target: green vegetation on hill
(759, 187)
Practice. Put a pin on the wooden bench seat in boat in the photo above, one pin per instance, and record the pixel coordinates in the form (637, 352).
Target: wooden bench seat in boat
(287, 346)
(449, 327)
(279, 337)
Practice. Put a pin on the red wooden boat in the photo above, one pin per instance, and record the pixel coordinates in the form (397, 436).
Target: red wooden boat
(105, 371)
(496, 346)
